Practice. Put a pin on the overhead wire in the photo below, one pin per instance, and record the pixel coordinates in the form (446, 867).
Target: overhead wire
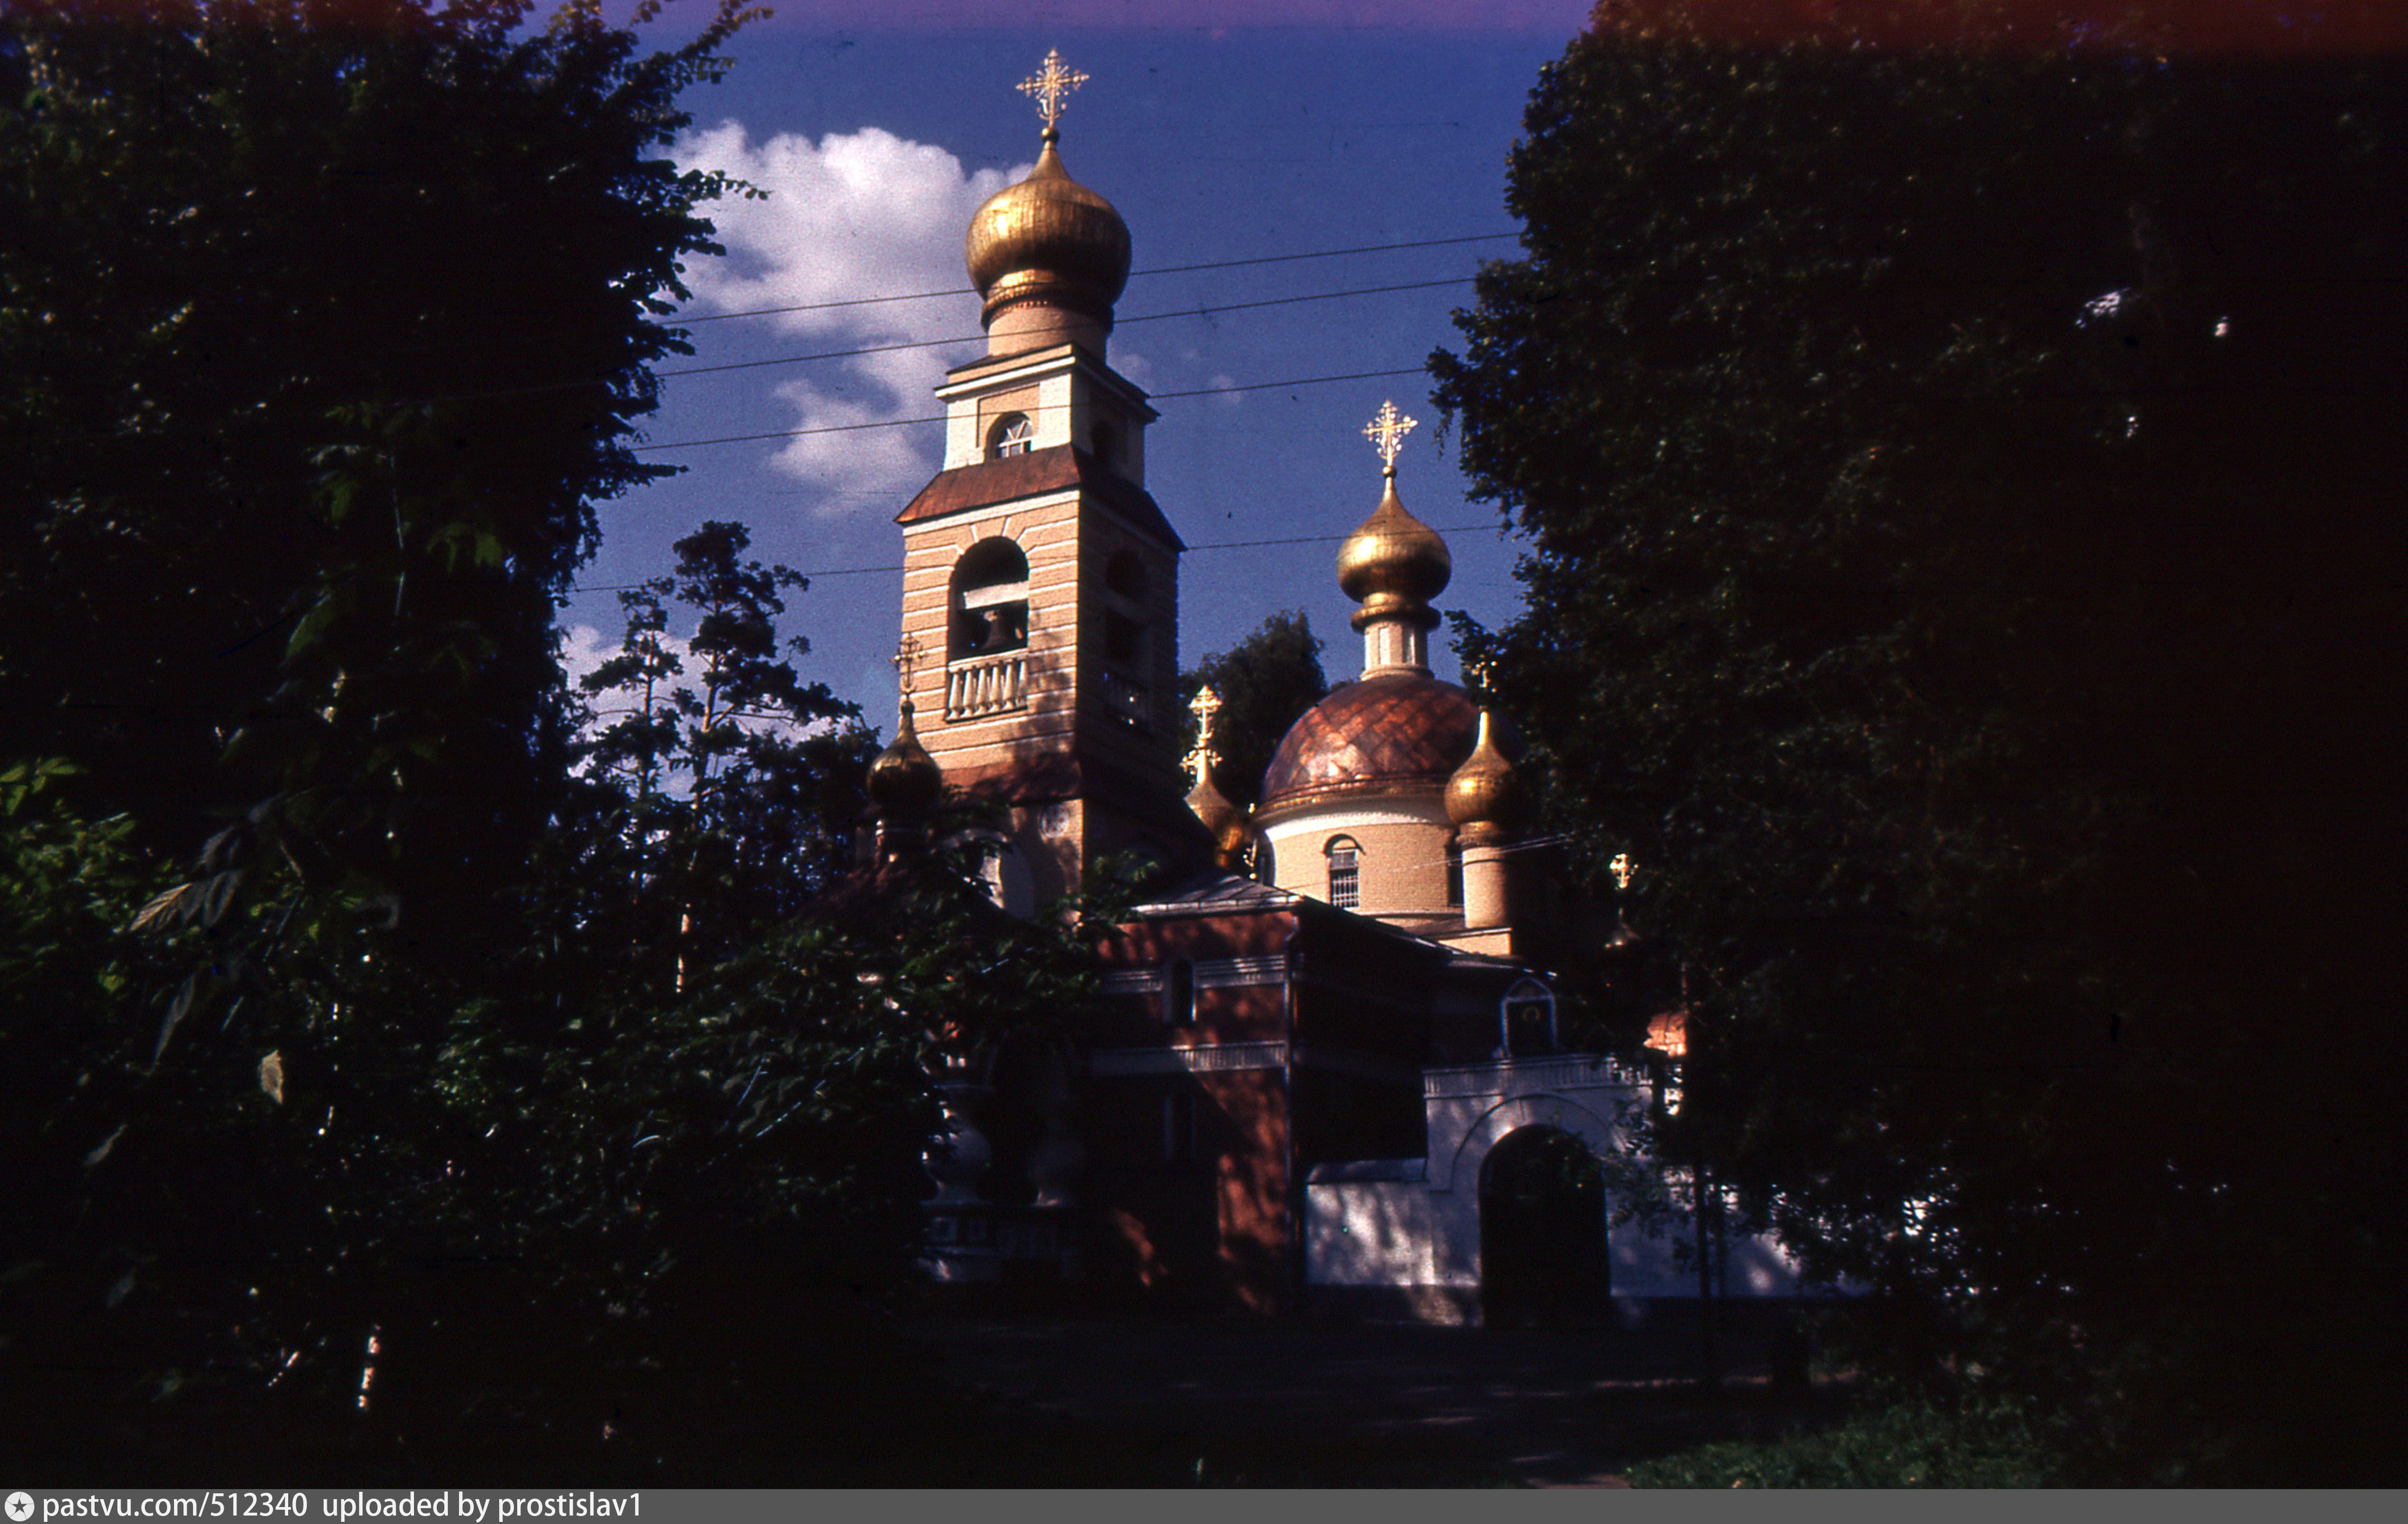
(1206, 311)
(938, 418)
(1216, 545)
(1159, 270)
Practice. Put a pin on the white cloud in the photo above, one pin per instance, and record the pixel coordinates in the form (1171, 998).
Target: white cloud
(585, 648)
(854, 215)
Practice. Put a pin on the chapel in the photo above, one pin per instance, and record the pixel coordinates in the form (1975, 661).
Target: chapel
(1327, 1074)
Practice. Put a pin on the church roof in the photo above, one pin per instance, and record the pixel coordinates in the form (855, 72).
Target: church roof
(1053, 469)
(1397, 728)
(1214, 891)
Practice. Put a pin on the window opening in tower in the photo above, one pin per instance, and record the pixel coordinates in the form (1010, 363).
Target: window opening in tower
(1014, 435)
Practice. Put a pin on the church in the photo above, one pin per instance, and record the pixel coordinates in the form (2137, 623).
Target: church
(1325, 1074)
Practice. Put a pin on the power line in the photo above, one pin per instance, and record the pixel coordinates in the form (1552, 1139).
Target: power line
(972, 338)
(938, 418)
(901, 345)
(1216, 545)
(1160, 269)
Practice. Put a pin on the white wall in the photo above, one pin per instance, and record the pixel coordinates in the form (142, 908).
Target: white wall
(1409, 1224)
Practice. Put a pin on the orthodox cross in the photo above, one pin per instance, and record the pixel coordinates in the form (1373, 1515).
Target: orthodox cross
(1386, 431)
(1050, 87)
(1205, 704)
(1623, 868)
(907, 661)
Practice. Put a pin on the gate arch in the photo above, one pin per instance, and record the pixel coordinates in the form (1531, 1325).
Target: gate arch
(1542, 1109)
(1543, 1227)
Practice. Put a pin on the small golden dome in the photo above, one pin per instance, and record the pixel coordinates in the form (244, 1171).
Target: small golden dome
(1394, 564)
(1048, 239)
(1222, 818)
(1484, 798)
(905, 780)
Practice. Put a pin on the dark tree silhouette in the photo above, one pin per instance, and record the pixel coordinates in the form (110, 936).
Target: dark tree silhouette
(1963, 578)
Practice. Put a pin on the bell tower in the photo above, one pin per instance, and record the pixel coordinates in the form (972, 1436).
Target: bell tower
(1038, 574)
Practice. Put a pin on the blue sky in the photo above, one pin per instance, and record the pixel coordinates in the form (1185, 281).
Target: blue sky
(1225, 131)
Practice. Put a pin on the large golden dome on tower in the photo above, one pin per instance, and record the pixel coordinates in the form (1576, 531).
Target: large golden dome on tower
(1392, 563)
(1048, 239)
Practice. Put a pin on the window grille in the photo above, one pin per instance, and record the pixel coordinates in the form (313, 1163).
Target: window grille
(1015, 435)
(1345, 878)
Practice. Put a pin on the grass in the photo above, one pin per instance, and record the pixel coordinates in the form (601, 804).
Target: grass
(1898, 1447)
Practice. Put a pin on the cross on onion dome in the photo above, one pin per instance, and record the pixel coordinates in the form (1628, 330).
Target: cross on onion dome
(1050, 87)
(1205, 704)
(906, 661)
(1386, 431)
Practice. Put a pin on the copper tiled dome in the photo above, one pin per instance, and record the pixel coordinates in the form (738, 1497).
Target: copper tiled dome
(1391, 729)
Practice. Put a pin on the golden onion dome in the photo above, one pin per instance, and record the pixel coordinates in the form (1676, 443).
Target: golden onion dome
(905, 780)
(1048, 239)
(1484, 798)
(1394, 564)
(1222, 818)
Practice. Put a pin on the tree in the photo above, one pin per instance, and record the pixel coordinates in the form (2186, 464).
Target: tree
(1954, 481)
(1266, 681)
(322, 326)
(772, 767)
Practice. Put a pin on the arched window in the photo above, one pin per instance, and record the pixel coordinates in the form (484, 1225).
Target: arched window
(1179, 993)
(1455, 873)
(1012, 435)
(990, 601)
(1525, 1020)
(1345, 873)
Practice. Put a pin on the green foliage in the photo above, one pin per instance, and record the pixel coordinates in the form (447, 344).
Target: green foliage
(1959, 576)
(342, 1009)
(735, 793)
(322, 327)
(1266, 682)
(1906, 1445)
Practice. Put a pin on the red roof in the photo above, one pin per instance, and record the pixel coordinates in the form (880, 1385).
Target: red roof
(1397, 728)
(1053, 469)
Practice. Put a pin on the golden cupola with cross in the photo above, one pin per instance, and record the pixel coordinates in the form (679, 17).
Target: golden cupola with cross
(1359, 804)
(1040, 578)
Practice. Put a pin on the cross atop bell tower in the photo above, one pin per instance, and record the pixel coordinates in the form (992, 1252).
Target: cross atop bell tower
(1040, 576)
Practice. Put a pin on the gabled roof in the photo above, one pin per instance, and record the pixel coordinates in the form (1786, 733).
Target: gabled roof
(1214, 891)
(1054, 468)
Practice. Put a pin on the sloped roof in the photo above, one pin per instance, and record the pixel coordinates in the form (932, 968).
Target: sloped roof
(1054, 468)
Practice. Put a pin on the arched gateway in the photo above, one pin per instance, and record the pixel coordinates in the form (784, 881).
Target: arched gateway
(1541, 1231)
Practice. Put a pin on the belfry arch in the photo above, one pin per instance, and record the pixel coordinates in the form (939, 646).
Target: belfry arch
(990, 601)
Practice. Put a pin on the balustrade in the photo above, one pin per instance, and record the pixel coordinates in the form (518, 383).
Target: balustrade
(986, 686)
